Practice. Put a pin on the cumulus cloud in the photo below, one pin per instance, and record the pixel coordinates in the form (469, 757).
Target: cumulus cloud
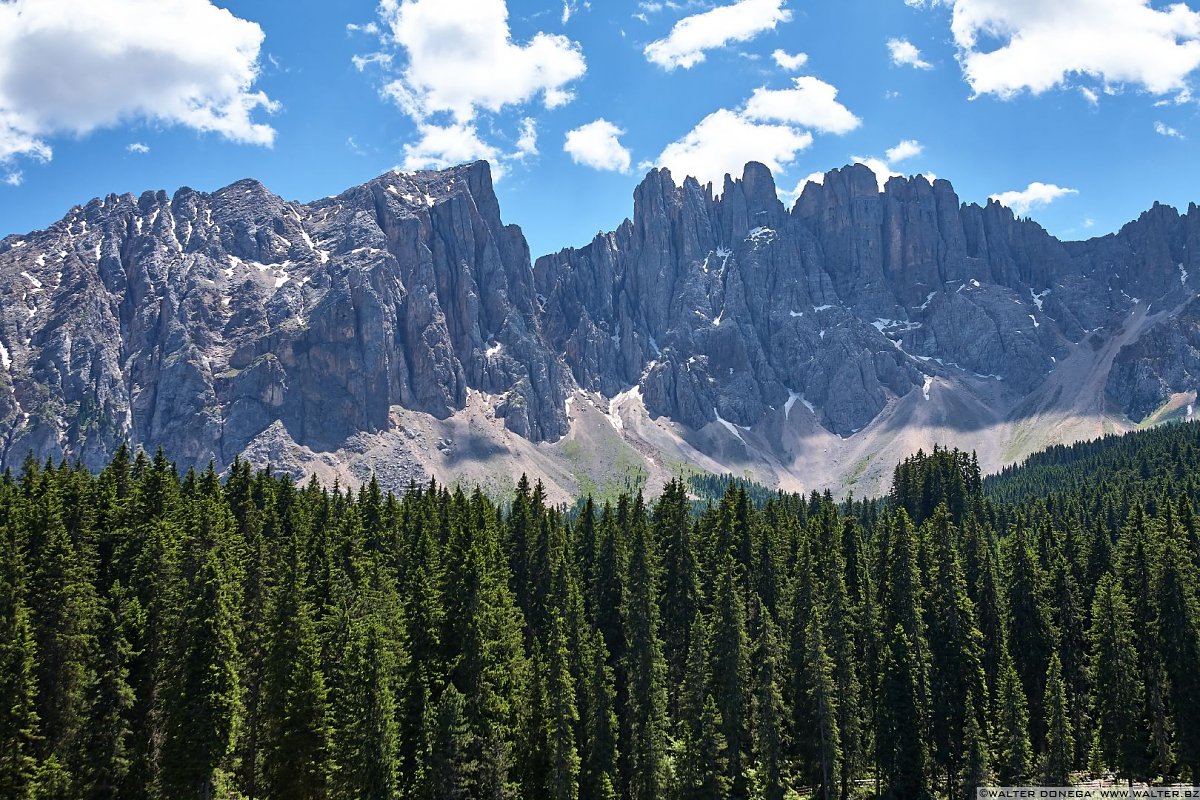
(73, 66)
(447, 71)
(788, 61)
(466, 61)
(1007, 47)
(138, 148)
(725, 140)
(905, 54)
(909, 148)
(1163, 129)
(1037, 194)
(598, 145)
(685, 46)
(442, 146)
(527, 142)
(14, 178)
(811, 103)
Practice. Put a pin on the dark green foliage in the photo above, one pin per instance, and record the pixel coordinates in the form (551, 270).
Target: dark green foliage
(168, 637)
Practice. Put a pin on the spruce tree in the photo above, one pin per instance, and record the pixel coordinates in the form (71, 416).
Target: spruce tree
(111, 701)
(296, 732)
(729, 655)
(1013, 750)
(363, 744)
(202, 706)
(1060, 736)
(18, 691)
(1118, 695)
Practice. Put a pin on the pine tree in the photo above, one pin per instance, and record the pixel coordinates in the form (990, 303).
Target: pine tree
(977, 759)
(820, 710)
(1031, 635)
(296, 733)
(956, 651)
(598, 775)
(1060, 737)
(768, 714)
(202, 693)
(18, 692)
(363, 743)
(1180, 637)
(1118, 684)
(1013, 751)
(111, 703)
(901, 750)
(729, 655)
(645, 748)
(452, 771)
(562, 716)
(701, 766)
(63, 605)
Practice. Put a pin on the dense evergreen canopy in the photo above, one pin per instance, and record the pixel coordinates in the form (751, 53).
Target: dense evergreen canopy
(168, 636)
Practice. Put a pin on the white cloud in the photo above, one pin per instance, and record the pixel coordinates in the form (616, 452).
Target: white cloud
(812, 103)
(1090, 95)
(1162, 129)
(14, 178)
(816, 177)
(138, 148)
(598, 145)
(883, 170)
(362, 62)
(788, 61)
(724, 141)
(687, 42)
(371, 28)
(909, 148)
(1009, 46)
(905, 54)
(527, 142)
(445, 146)
(1037, 194)
(465, 61)
(73, 66)
(570, 7)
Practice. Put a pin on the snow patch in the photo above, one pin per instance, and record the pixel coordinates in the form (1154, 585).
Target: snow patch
(928, 385)
(792, 398)
(37, 285)
(795, 314)
(1036, 324)
(1189, 412)
(493, 350)
(729, 426)
(6, 360)
(613, 413)
(822, 308)
(928, 300)
(760, 234)
(1038, 299)
(1183, 275)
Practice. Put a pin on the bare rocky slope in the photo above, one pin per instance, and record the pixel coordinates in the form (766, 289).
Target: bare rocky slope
(401, 329)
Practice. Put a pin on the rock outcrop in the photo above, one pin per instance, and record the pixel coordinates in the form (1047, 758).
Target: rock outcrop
(235, 322)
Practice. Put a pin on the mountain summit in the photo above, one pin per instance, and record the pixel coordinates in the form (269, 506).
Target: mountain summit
(400, 329)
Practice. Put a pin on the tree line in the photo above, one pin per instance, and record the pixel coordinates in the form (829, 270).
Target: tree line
(167, 635)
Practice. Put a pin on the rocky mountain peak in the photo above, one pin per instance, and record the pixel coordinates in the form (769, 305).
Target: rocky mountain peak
(235, 321)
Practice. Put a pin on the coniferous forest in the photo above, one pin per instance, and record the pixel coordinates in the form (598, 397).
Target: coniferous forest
(167, 635)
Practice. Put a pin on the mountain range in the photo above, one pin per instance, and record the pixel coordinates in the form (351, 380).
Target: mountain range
(402, 329)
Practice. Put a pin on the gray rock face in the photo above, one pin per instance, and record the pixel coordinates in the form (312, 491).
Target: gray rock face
(196, 322)
(218, 324)
(729, 306)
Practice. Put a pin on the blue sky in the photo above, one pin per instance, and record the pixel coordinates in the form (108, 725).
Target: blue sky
(1079, 112)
